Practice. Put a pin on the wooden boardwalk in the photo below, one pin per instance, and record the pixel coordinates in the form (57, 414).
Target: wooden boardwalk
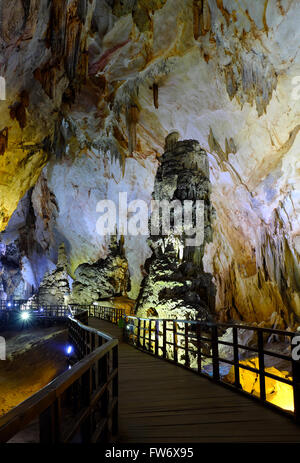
(161, 403)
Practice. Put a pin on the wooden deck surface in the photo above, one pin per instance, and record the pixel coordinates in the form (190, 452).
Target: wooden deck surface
(161, 403)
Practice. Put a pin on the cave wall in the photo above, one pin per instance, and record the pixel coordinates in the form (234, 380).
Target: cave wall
(101, 84)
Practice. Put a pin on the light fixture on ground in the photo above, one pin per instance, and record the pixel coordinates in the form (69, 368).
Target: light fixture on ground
(69, 349)
(25, 316)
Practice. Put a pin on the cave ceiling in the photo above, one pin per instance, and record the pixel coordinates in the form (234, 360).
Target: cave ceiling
(93, 87)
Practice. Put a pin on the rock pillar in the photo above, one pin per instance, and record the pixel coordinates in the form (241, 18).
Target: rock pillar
(176, 285)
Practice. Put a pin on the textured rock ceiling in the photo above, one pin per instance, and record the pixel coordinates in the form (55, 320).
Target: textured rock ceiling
(93, 87)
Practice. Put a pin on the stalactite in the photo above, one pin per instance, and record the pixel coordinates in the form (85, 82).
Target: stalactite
(230, 147)
(56, 32)
(155, 95)
(26, 7)
(205, 18)
(3, 141)
(197, 6)
(132, 119)
(264, 16)
(201, 14)
(18, 109)
(47, 78)
(223, 11)
(73, 38)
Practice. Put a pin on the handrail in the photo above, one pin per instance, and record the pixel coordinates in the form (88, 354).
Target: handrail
(61, 312)
(91, 330)
(98, 368)
(111, 314)
(224, 325)
(87, 394)
(182, 342)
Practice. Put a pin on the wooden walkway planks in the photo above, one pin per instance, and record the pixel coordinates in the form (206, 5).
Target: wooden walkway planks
(161, 403)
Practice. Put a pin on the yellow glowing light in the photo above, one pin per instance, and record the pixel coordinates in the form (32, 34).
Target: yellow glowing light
(277, 393)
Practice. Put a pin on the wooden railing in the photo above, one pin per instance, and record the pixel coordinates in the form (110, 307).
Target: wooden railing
(50, 314)
(196, 346)
(10, 304)
(80, 405)
(58, 313)
(110, 314)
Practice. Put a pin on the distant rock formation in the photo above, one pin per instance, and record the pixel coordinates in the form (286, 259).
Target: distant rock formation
(54, 288)
(103, 279)
(11, 283)
(176, 285)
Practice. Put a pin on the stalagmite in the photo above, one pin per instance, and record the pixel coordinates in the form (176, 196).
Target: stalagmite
(176, 285)
(171, 140)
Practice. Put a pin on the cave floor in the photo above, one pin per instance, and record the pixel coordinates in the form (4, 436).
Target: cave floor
(160, 403)
(34, 358)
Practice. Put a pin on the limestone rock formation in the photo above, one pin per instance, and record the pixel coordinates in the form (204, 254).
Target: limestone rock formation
(102, 280)
(54, 288)
(11, 282)
(176, 285)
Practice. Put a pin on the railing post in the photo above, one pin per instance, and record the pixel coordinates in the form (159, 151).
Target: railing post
(156, 336)
(126, 334)
(261, 360)
(296, 388)
(144, 335)
(198, 334)
(102, 370)
(175, 341)
(49, 424)
(150, 336)
(138, 333)
(164, 349)
(236, 357)
(115, 392)
(93, 343)
(186, 342)
(86, 384)
(215, 352)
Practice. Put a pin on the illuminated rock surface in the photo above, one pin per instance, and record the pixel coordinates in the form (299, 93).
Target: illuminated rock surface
(105, 278)
(54, 288)
(277, 393)
(176, 285)
(94, 87)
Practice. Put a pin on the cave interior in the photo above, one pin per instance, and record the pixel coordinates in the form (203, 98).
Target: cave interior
(110, 105)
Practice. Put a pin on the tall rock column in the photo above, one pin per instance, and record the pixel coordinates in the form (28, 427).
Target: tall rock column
(176, 285)
(54, 288)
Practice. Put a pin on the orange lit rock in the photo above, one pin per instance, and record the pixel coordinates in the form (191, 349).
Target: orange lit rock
(277, 393)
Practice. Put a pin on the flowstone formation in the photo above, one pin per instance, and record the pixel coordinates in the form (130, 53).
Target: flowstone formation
(176, 285)
(55, 288)
(104, 279)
